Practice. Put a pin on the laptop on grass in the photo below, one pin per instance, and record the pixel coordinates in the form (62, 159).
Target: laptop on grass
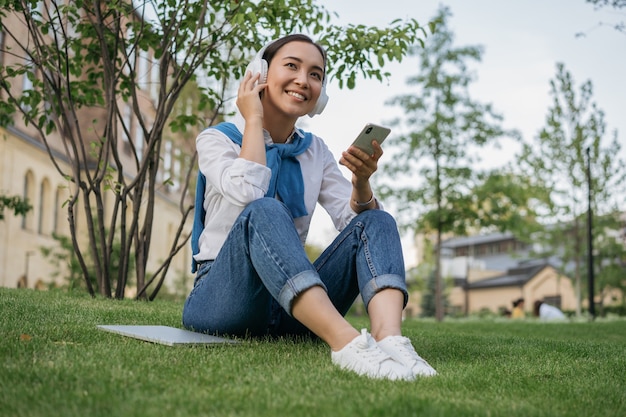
(165, 335)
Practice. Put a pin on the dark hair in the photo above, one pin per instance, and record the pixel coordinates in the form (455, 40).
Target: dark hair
(517, 302)
(273, 47)
(536, 307)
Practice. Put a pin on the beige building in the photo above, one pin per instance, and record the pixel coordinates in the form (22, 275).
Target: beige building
(27, 169)
(486, 273)
(533, 282)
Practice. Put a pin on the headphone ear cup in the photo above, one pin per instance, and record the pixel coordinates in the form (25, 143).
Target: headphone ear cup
(321, 102)
(258, 66)
(263, 70)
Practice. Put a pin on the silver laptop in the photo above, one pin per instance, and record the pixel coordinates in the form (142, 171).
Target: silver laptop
(166, 335)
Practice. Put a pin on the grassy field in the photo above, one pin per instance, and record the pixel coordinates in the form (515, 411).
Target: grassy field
(56, 363)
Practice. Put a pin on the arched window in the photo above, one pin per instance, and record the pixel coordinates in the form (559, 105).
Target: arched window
(27, 83)
(167, 162)
(1, 47)
(142, 73)
(176, 170)
(139, 141)
(155, 81)
(46, 209)
(60, 225)
(28, 221)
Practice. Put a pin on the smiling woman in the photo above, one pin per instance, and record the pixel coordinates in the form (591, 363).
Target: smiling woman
(294, 85)
(293, 62)
(260, 180)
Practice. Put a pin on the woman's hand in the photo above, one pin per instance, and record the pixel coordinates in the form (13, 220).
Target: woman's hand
(248, 99)
(360, 163)
(251, 108)
(362, 166)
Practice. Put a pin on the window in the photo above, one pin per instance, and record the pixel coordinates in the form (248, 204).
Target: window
(37, 11)
(167, 161)
(553, 300)
(42, 209)
(127, 120)
(46, 210)
(176, 171)
(58, 211)
(139, 139)
(130, 51)
(27, 81)
(142, 70)
(154, 80)
(62, 17)
(1, 47)
(29, 196)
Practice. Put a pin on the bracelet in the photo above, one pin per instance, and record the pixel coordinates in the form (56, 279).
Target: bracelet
(364, 204)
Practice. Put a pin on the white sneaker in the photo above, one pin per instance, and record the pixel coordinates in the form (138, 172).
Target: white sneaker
(363, 356)
(401, 349)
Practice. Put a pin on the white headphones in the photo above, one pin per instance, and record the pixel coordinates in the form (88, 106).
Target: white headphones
(260, 65)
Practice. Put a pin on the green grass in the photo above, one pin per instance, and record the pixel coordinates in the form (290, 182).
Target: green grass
(56, 363)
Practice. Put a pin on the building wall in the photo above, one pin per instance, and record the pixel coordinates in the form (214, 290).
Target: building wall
(25, 162)
(27, 170)
(493, 298)
(547, 283)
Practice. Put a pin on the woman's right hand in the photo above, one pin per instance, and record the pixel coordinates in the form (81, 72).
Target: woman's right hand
(248, 97)
(251, 108)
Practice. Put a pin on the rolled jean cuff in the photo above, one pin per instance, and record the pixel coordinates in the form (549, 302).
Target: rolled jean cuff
(382, 282)
(296, 286)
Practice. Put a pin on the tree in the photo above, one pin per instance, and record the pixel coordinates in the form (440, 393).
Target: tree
(16, 203)
(558, 156)
(88, 63)
(615, 4)
(504, 200)
(610, 257)
(431, 165)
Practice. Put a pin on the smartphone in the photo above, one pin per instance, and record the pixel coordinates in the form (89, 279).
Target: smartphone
(369, 133)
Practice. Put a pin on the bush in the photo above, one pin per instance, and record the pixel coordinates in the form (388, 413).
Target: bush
(619, 310)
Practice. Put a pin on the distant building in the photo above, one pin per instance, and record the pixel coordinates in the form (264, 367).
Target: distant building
(490, 271)
(538, 281)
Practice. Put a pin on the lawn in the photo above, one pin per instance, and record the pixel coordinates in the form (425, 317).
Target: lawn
(55, 362)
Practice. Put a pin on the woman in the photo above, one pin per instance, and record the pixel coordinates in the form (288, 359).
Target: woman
(264, 177)
(518, 309)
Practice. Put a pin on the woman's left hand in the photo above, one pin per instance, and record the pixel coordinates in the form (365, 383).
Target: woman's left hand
(360, 163)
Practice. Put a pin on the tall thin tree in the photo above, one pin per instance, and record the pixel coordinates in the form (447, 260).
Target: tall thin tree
(432, 165)
(558, 155)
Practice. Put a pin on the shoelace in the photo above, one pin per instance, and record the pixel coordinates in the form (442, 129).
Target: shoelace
(407, 349)
(370, 351)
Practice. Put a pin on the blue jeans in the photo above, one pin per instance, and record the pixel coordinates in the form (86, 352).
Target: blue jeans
(248, 290)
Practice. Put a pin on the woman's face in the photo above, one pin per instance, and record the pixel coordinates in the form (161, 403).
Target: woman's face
(294, 79)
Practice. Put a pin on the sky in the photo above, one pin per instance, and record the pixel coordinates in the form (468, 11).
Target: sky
(522, 42)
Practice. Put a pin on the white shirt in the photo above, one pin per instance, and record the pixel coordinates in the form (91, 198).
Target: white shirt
(548, 312)
(233, 182)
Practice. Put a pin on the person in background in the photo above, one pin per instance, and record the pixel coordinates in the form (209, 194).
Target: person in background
(262, 179)
(518, 309)
(547, 312)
